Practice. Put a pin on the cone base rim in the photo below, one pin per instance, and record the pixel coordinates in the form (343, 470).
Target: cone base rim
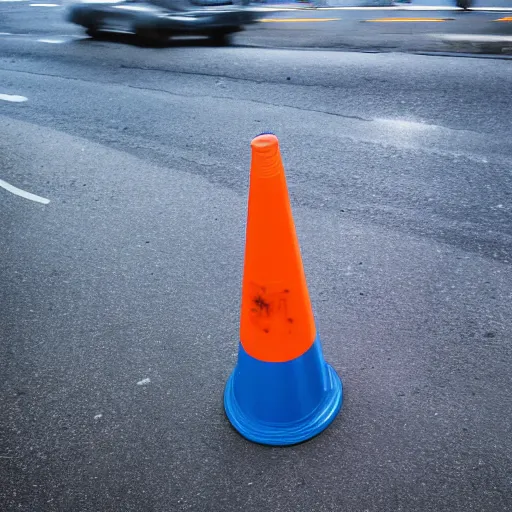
(284, 434)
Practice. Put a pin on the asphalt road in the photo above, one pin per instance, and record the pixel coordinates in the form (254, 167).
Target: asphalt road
(399, 174)
(396, 30)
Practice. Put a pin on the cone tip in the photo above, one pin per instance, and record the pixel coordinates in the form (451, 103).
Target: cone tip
(264, 142)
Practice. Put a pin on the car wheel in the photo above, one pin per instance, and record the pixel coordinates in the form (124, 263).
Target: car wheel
(464, 4)
(220, 38)
(152, 37)
(92, 32)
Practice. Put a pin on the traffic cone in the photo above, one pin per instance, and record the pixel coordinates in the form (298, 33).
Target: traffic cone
(281, 391)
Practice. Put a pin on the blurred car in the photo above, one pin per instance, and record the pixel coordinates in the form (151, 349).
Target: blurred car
(155, 21)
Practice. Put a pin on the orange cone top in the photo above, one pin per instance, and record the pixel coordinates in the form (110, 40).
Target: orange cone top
(277, 323)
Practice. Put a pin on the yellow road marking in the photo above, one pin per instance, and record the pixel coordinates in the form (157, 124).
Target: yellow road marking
(508, 18)
(408, 20)
(296, 20)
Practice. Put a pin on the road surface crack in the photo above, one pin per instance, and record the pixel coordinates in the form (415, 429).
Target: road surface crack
(154, 89)
(250, 100)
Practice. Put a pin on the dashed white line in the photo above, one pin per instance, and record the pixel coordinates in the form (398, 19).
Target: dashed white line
(143, 382)
(22, 193)
(13, 98)
(52, 41)
(44, 5)
(476, 38)
(13, 34)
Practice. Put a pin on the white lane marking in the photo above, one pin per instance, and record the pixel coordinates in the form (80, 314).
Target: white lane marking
(23, 193)
(44, 5)
(391, 8)
(143, 382)
(13, 98)
(476, 38)
(12, 34)
(52, 41)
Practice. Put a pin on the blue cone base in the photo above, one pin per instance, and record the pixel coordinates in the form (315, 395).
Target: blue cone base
(282, 404)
